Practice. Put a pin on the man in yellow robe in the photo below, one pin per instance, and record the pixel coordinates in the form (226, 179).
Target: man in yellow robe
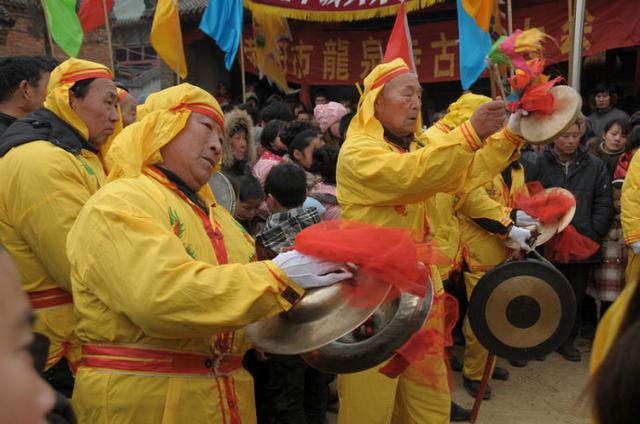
(164, 278)
(385, 176)
(487, 218)
(607, 331)
(50, 165)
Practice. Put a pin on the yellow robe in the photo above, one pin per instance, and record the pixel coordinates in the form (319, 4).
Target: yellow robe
(145, 274)
(483, 250)
(42, 189)
(630, 216)
(381, 184)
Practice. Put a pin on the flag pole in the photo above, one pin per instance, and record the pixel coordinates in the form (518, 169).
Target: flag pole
(244, 81)
(108, 28)
(176, 4)
(46, 20)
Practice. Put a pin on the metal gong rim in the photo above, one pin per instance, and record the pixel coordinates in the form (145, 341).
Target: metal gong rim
(347, 355)
(522, 309)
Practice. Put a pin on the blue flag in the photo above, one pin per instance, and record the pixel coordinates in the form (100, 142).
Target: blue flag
(222, 21)
(474, 46)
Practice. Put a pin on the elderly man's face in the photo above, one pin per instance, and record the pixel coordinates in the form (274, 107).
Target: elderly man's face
(398, 105)
(194, 152)
(98, 110)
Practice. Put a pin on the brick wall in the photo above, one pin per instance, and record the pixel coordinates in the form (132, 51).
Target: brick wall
(27, 38)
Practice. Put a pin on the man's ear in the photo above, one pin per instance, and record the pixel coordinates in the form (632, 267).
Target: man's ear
(24, 89)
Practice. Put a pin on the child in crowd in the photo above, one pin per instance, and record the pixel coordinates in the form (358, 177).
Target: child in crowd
(608, 279)
(274, 149)
(287, 389)
(238, 148)
(325, 160)
(301, 152)
(249, 196)
(328, 117)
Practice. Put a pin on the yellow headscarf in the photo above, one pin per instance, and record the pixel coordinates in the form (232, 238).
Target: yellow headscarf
(364, 120)
(160, 119)
(462, 109)
(63, 77)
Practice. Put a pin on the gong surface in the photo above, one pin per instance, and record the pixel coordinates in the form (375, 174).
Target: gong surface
(223, 191)
(539, 128)
(522, 309)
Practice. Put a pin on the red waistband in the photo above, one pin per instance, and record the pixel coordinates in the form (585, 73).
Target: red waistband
(48, 298)
(159, 361)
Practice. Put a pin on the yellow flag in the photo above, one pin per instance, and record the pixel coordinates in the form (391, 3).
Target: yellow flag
(166, 36)
(267, 30)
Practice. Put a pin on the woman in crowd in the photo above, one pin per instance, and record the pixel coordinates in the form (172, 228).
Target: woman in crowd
(238, 148)
(301, 150)
(602, 102)
(273, 149)
(328, 117)
(612, 144)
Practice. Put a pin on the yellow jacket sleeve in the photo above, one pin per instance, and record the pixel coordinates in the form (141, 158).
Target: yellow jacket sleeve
(630, 203)
(478, 205)
(49, 190)
(457, 163)
(140, 268)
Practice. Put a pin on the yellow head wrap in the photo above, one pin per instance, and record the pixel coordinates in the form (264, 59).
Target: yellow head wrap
(364, 120)
(161, 118)
(63, 77)
(462, 109)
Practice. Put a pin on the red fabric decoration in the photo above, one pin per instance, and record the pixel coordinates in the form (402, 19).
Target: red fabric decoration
(623, 165)
(547, 206)
(535, 97)
(428, 346)
(568, 246)
(91, 14)
(382, 255)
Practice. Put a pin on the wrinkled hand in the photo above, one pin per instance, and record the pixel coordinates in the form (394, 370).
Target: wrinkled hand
(309, 272)
(523, 219)
(488, 118)
(520, 236)
(636, 247)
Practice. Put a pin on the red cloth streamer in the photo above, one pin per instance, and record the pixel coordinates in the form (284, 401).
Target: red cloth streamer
(91, 14)
(382, 255)
(535, 98)
(568, 246)
(547, 206)
(427, 347)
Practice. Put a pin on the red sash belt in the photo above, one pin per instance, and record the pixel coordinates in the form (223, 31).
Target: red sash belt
(159, 361)
(48, 298)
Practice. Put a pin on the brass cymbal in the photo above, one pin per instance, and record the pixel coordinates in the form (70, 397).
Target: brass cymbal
(322, 316)
(539, 128)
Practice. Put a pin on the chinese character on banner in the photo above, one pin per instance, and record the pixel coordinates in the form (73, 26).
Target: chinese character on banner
(444, 61)
(565, 38)
(335, 60)
(282, 55)
(302, 58)
(250, 50)
(371, 56)
(417, 52)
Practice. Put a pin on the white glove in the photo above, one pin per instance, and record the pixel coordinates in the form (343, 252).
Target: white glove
(520, 236)
(309, 272)
(523, 219)
(636, 247)
(514, 121)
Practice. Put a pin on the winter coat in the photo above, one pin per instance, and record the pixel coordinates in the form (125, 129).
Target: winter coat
(232, 122)
(599, 119)
(588, 179)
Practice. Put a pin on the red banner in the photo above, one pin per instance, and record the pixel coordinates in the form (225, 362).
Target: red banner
(334, 10)
(344, 57)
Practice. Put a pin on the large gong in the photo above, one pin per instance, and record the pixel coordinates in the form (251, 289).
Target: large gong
(522, 309)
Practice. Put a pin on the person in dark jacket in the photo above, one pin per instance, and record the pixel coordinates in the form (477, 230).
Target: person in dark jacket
(602, 102)
(567, 164)
(23, 86)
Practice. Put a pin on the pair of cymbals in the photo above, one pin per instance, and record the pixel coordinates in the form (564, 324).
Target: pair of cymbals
(540, 128)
